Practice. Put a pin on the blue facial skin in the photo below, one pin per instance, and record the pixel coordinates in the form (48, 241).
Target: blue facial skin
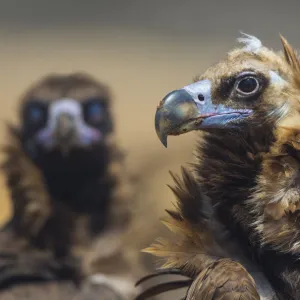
(211, 115)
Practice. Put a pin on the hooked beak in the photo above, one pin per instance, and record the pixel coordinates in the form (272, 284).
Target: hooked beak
(191, 108)
(65, 132)
(66, 128)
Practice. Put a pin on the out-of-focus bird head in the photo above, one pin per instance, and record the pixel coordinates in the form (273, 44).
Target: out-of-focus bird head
(252, 85)
(65, 113)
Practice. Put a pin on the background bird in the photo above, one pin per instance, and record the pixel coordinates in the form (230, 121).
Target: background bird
(72, 197)
(247, 164)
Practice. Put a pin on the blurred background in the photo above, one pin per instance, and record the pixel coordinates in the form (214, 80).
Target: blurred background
(142, 49)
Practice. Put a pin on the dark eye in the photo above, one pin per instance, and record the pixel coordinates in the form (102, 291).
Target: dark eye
(94, 111)
(35, 112)
(247, 86)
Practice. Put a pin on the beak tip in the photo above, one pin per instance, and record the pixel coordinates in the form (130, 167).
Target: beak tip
(163, 137)
(159, 127)
(164, 142)
(172, 112)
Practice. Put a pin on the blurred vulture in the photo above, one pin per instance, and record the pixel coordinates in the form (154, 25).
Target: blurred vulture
(71, 197)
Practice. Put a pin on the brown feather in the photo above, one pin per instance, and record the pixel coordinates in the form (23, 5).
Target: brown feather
(223, 280)
(290, 55)
(194, 246)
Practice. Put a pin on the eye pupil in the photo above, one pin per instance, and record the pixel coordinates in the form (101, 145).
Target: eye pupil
(248, 85)
(201, 98)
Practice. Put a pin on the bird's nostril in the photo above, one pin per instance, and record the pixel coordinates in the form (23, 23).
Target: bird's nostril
(201, 98)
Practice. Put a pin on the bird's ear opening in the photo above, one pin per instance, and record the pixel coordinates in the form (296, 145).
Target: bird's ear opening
(290, 55)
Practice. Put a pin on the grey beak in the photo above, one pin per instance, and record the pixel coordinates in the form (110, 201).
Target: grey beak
(65, 129)
(192, 108)
(176, 114)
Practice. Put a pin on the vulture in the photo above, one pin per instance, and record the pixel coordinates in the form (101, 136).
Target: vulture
(71, 197)
(236, 220)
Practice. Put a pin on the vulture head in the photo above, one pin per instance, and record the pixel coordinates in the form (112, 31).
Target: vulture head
(64, 115)
(252, 86)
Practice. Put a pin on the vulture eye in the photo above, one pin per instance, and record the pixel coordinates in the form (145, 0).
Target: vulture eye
(35, 112)
(248, 85)
(94, 111)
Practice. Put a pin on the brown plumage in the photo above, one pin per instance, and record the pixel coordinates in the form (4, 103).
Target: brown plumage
(200, 250)
(247, 173)
(71, 196)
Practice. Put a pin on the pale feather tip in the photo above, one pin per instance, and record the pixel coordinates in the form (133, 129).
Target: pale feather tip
(252, 43)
